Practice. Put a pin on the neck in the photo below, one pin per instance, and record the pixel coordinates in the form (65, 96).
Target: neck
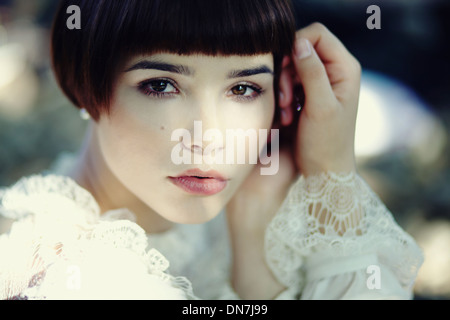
(93, 174)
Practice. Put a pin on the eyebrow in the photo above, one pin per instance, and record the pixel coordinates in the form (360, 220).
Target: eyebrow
(250, 72)
(184, 70)
(162, 66)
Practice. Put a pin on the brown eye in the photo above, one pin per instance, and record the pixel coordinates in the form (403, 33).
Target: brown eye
(239, 90)
(158, 85)
(245, 92)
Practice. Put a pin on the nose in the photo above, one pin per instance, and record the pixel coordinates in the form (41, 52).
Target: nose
(193, 148)
(203, 142)
(206, 133)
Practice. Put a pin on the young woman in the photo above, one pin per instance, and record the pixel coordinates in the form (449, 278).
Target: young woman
(110, 224)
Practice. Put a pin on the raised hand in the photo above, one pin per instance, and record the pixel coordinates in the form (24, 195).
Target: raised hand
(330, 78)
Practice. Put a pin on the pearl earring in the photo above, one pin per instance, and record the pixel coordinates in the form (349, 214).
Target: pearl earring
(298, 104)
(84, 114)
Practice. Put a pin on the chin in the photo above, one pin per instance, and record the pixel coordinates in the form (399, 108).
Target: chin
(191, 214)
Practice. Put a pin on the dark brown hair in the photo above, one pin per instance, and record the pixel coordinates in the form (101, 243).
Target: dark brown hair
(86, 61)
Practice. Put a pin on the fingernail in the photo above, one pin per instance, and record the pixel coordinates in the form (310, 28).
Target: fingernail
(302, 48)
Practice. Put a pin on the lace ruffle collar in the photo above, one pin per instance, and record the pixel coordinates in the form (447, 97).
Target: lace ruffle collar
(53, 211)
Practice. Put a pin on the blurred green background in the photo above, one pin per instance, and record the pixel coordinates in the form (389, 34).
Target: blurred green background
(403, 126)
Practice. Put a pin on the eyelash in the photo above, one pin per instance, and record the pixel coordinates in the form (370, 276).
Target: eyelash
(144, 87)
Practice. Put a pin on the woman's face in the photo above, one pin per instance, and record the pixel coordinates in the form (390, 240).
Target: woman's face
(154, 139)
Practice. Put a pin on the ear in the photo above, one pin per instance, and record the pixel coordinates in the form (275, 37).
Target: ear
(286, 92)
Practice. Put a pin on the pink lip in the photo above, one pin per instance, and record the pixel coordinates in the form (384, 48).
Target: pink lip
(200, 182)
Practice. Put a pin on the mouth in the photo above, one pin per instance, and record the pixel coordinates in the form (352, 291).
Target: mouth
(199, 182)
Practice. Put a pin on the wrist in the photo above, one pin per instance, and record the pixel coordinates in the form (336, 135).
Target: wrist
(343, 164)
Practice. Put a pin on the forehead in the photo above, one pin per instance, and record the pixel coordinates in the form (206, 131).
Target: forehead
(197, 63)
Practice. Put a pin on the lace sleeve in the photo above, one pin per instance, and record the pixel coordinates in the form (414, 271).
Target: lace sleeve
(333, 224)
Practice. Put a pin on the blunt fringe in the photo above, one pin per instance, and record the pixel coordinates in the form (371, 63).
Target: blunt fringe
(86, 62)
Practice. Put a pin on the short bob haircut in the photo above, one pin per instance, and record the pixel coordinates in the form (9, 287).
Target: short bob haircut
(87, 61)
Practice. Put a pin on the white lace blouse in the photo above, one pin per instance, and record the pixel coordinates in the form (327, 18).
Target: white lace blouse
(331, 239)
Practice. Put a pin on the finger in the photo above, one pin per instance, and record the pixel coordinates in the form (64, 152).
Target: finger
(312, 73)
(343, 69)
(329, 48)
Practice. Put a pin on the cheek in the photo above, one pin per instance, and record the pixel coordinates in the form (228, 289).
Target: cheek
(134, 133)
(256, 118)
(256, 115)
(268, 111)
(131, 144)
